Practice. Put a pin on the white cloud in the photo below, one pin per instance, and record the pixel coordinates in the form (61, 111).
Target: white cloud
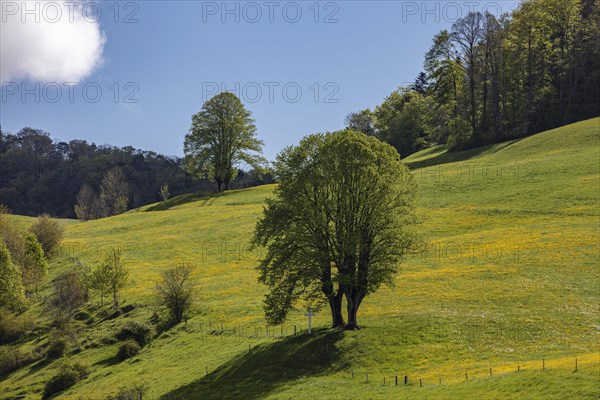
(53, 49)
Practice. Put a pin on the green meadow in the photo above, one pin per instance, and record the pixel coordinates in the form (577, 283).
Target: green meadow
(499, 302)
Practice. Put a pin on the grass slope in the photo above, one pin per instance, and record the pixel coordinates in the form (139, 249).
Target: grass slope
(509, 278)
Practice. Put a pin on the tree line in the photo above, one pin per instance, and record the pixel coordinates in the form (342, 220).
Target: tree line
(40, 175)
(488, 79)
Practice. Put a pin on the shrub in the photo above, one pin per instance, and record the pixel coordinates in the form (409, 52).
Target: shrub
(134, 392)
(57, 348)
(12, 358)
(12, 327)
(68, 376)
(139, 331)
(70, 292)
(127, 350)
(177, 291)
(48, 232)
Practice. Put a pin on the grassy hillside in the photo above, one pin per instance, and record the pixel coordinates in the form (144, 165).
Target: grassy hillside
(509, 277)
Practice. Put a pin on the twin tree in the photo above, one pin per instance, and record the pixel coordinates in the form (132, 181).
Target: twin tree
(341, 217)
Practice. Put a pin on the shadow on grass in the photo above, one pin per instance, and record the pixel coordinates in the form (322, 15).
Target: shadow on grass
(443, 157)
(107, 362)
(258, 372)
(206, 198)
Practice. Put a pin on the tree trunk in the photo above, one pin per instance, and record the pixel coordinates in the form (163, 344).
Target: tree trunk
(354, 299)
(335, 304)
(115, 299)
(219, 185)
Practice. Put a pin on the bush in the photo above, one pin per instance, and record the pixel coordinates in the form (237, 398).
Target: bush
(70, 292)
(127, 350)
(68, 376)
(135, 392)
(12, 358)
(48, 232)
(139, 331)
(57, 348)
(177, 291)
(12, 327)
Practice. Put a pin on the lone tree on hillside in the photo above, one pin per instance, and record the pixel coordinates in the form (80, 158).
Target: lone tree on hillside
(340, 221)
(111, 275)
(177, 291)
(164, 195)
(222, 135)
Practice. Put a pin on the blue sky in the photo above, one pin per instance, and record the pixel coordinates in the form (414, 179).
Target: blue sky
(348, 57)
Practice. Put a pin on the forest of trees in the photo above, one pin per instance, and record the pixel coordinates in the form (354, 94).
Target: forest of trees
(41, 175)
(490, 79)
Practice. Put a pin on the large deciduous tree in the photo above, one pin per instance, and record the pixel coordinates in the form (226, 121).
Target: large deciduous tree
(467, 33)
(341, 218)
(222, 136)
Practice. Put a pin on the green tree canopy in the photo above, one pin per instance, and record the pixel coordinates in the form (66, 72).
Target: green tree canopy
(33, 263)
(111, 275)
(12, 292)
(222, 136)
(338, 225)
